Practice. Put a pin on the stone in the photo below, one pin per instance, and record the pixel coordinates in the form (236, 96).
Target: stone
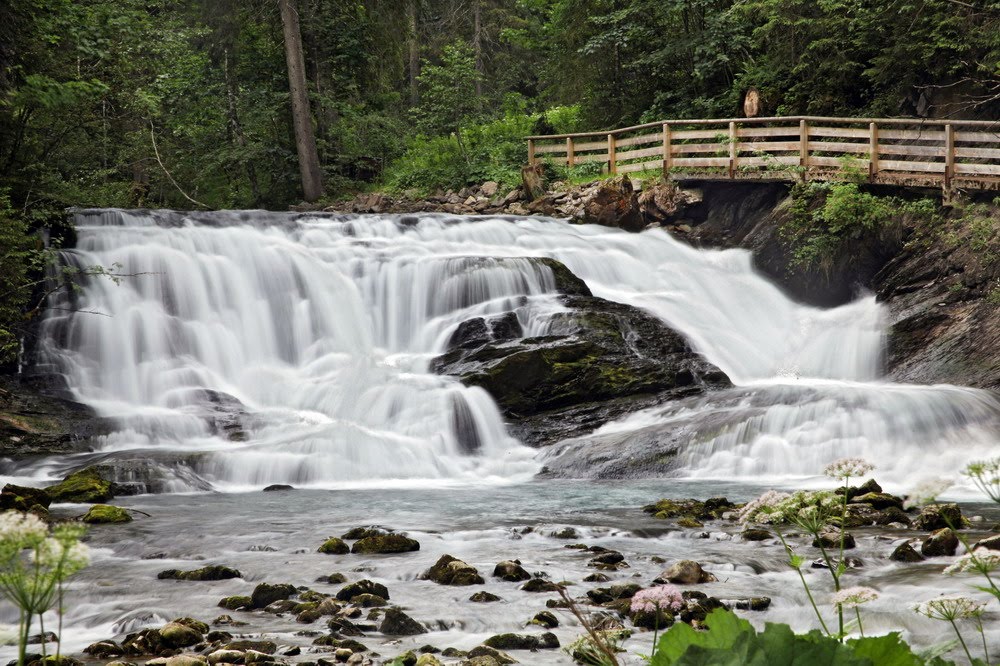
(225, 656)
(753, 604)
(356, 533)
(369, 601)
(101, 514)
(989, 543)
(335, 579)
(938, 516)
(277, 487)
(428, 660)
(177, 635)
(540, 585)
(941, 542)
(831, 539)
(512, 197)
(104, 649)
(236, 602)
(522, 642)
(266, 647)
(756, 534)
(565, 533)
(511, 571)
(266, 594)
(255, 657)
(397, 623)
(334, 546)
(385, 543)
(879, 500)
(449, 570)
(197, 625)
(146, 641)
(606, 558)
(596, 577)
(484, 597)
(186, 660)
(614, 204)
(545, 619)
(904, 552)
(23, 498)
(85, 486)
(685, 572)
(365, 586)
(498, 656)
(893, 515)
(212, 572)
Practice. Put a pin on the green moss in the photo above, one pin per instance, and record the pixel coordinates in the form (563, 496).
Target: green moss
(105, 513)
(385, 543)
(212, 572)
(235, 603)
(334, 546)
(84, 486)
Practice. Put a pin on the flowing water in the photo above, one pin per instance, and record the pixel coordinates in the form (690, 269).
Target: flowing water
(246, 349)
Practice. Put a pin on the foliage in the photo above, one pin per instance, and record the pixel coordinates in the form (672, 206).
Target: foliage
(17, 253)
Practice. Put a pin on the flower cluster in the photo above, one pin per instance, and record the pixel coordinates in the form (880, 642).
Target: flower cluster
(950, 609)
(986, 475)
(852, 597)
(847, 468)
(981, 562)
(22, 530)
(927, 492)
(662, 597)
(764, 509)
(808, 510)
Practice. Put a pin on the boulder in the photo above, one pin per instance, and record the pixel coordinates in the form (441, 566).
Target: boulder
(489, 188)
(541, 585)
(938, 516)
(522, 642)
(266, 594)
(104, 649)
(100, 514)
(84, 486)
(831, 539)
(753, 604)
(276, 487)
(879, 500)
(756, 534)
(177, 635)
(989, 543)
(397, 623)
(685, 572)
(365, 586)
(484, 597)
(450, 570)
(23, 498)
(236, 603)
(385, 543)
(487, 652)
(334, 546)
(941, 542)
(545, 619)
(904, 552)
(225, 657)
(511, 571)
(212, 572)
(265, 647)
(614, 204)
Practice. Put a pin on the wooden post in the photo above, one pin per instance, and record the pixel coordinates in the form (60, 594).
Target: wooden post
(804, 148)
(872, 151)
(949, 155)
(531, 152)
(666, 150)
(733, 152)
(570, 156)
(612, 158)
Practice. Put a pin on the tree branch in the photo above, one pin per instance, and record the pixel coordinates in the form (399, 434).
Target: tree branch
(152, 137)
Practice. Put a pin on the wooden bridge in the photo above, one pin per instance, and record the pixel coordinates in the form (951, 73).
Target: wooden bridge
(953, 154)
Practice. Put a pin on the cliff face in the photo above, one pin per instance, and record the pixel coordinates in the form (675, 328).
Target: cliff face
(938, 274)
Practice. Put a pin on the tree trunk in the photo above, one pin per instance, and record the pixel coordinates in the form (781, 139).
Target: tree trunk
(414, 67)
(477, 44)
(305, 139)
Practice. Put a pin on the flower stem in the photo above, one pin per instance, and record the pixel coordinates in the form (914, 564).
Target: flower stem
(860, 627)
(805, 585)
(961, 640)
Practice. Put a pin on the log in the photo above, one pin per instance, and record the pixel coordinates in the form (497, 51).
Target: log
(533, 181)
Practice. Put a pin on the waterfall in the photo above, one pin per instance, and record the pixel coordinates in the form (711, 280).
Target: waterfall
(315, 333)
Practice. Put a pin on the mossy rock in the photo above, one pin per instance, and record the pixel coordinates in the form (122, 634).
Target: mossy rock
(450, 570)
(212, 572)
(334, 546)
(691, 509)
(385, 544)
(23, 498)
(236, 602)
(356, 533)
(266, 593)
(85, 486)
(365, 586)
(105, 513)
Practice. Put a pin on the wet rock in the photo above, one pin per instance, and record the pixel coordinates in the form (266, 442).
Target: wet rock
(369, 601)
(831, 539)
(197, 625)
(104, 649)
(278, 487)
(614, 203)
(385, 543)
(938, 516)
(266, 647)
(23, 498)
(147, 641)
(100, 514)
(335, 579)
(860, 515)
(685, 572)
(450, 570)
(505, 642)
(364, 586)
(603, 595)
(710, 509)
(85, 486)
(212, 572)
(428, 660)
(596, 577)
(989, 543)
(484, 597)
(904, 552)
(266, 594)
(334, 546)
(540, 585)
(485, 651)
(511, 571)
(660, 619)
(397, 623)
(893, 515)
(756, 534)
(489, 188)
(225, 656)
(185, 660)
(565, 533)
(362, 532)
(545, 619)
(941, 542)
(869, 486)
(251, 657)
(753, 603)
(611, 557)
(177, 635)
(879, 500)
(849, 563)
(236, 603)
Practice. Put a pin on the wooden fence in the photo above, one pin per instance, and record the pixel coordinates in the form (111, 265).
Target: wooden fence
(952, 154)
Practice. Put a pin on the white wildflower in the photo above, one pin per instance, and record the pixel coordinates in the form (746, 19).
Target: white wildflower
(852, 597)
(847, 468)
(764, 509)
(927, 492)
(986, 475)
(22, 529)
(67, 557)
(951, 608)
(981, 561)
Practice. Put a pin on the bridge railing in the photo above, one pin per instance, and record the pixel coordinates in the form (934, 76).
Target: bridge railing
(951, 153)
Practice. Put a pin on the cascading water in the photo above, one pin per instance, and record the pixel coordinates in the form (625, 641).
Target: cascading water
(318, 332)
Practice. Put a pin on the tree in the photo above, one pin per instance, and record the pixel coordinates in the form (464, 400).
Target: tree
(305, 138)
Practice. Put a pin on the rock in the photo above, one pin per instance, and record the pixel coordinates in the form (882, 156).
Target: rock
(104, 649)
(540, 585)
(385, 543)
(225, 656)
(147, 641)
(23, 498)
(212, 572)
(545, 619)
(496, 655)
(512, 196)
(100, 514)
(685, 572)
(860, 515)
(449, 570)
(335, 579)
(397, 623)
(522, 642)
(938, 516)
(756, 534)
(596, 577)
(613, 204)
(236, 603)
(334, 546)
(255, 657)
(831, 539)
(879, 500)
(277, 487)
(177, 635)
(197, 625)
(904, 552)
(266, 594)
(609, 558)
(603, 595)
(428, 660)
(266, 647)
(893, 515)
(186, 660)
(511, 571)
(659, 202)
(869, 486)
(483, 597)
(489, 188)
(84, 486)
(849, 563)
(369, 601)
(941, 542)
(565, 533)
(989, 543)
(365, 586)
(356, 533)
(753, 603)
(711, 509)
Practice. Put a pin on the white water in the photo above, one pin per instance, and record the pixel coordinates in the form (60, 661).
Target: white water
(323, 328)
